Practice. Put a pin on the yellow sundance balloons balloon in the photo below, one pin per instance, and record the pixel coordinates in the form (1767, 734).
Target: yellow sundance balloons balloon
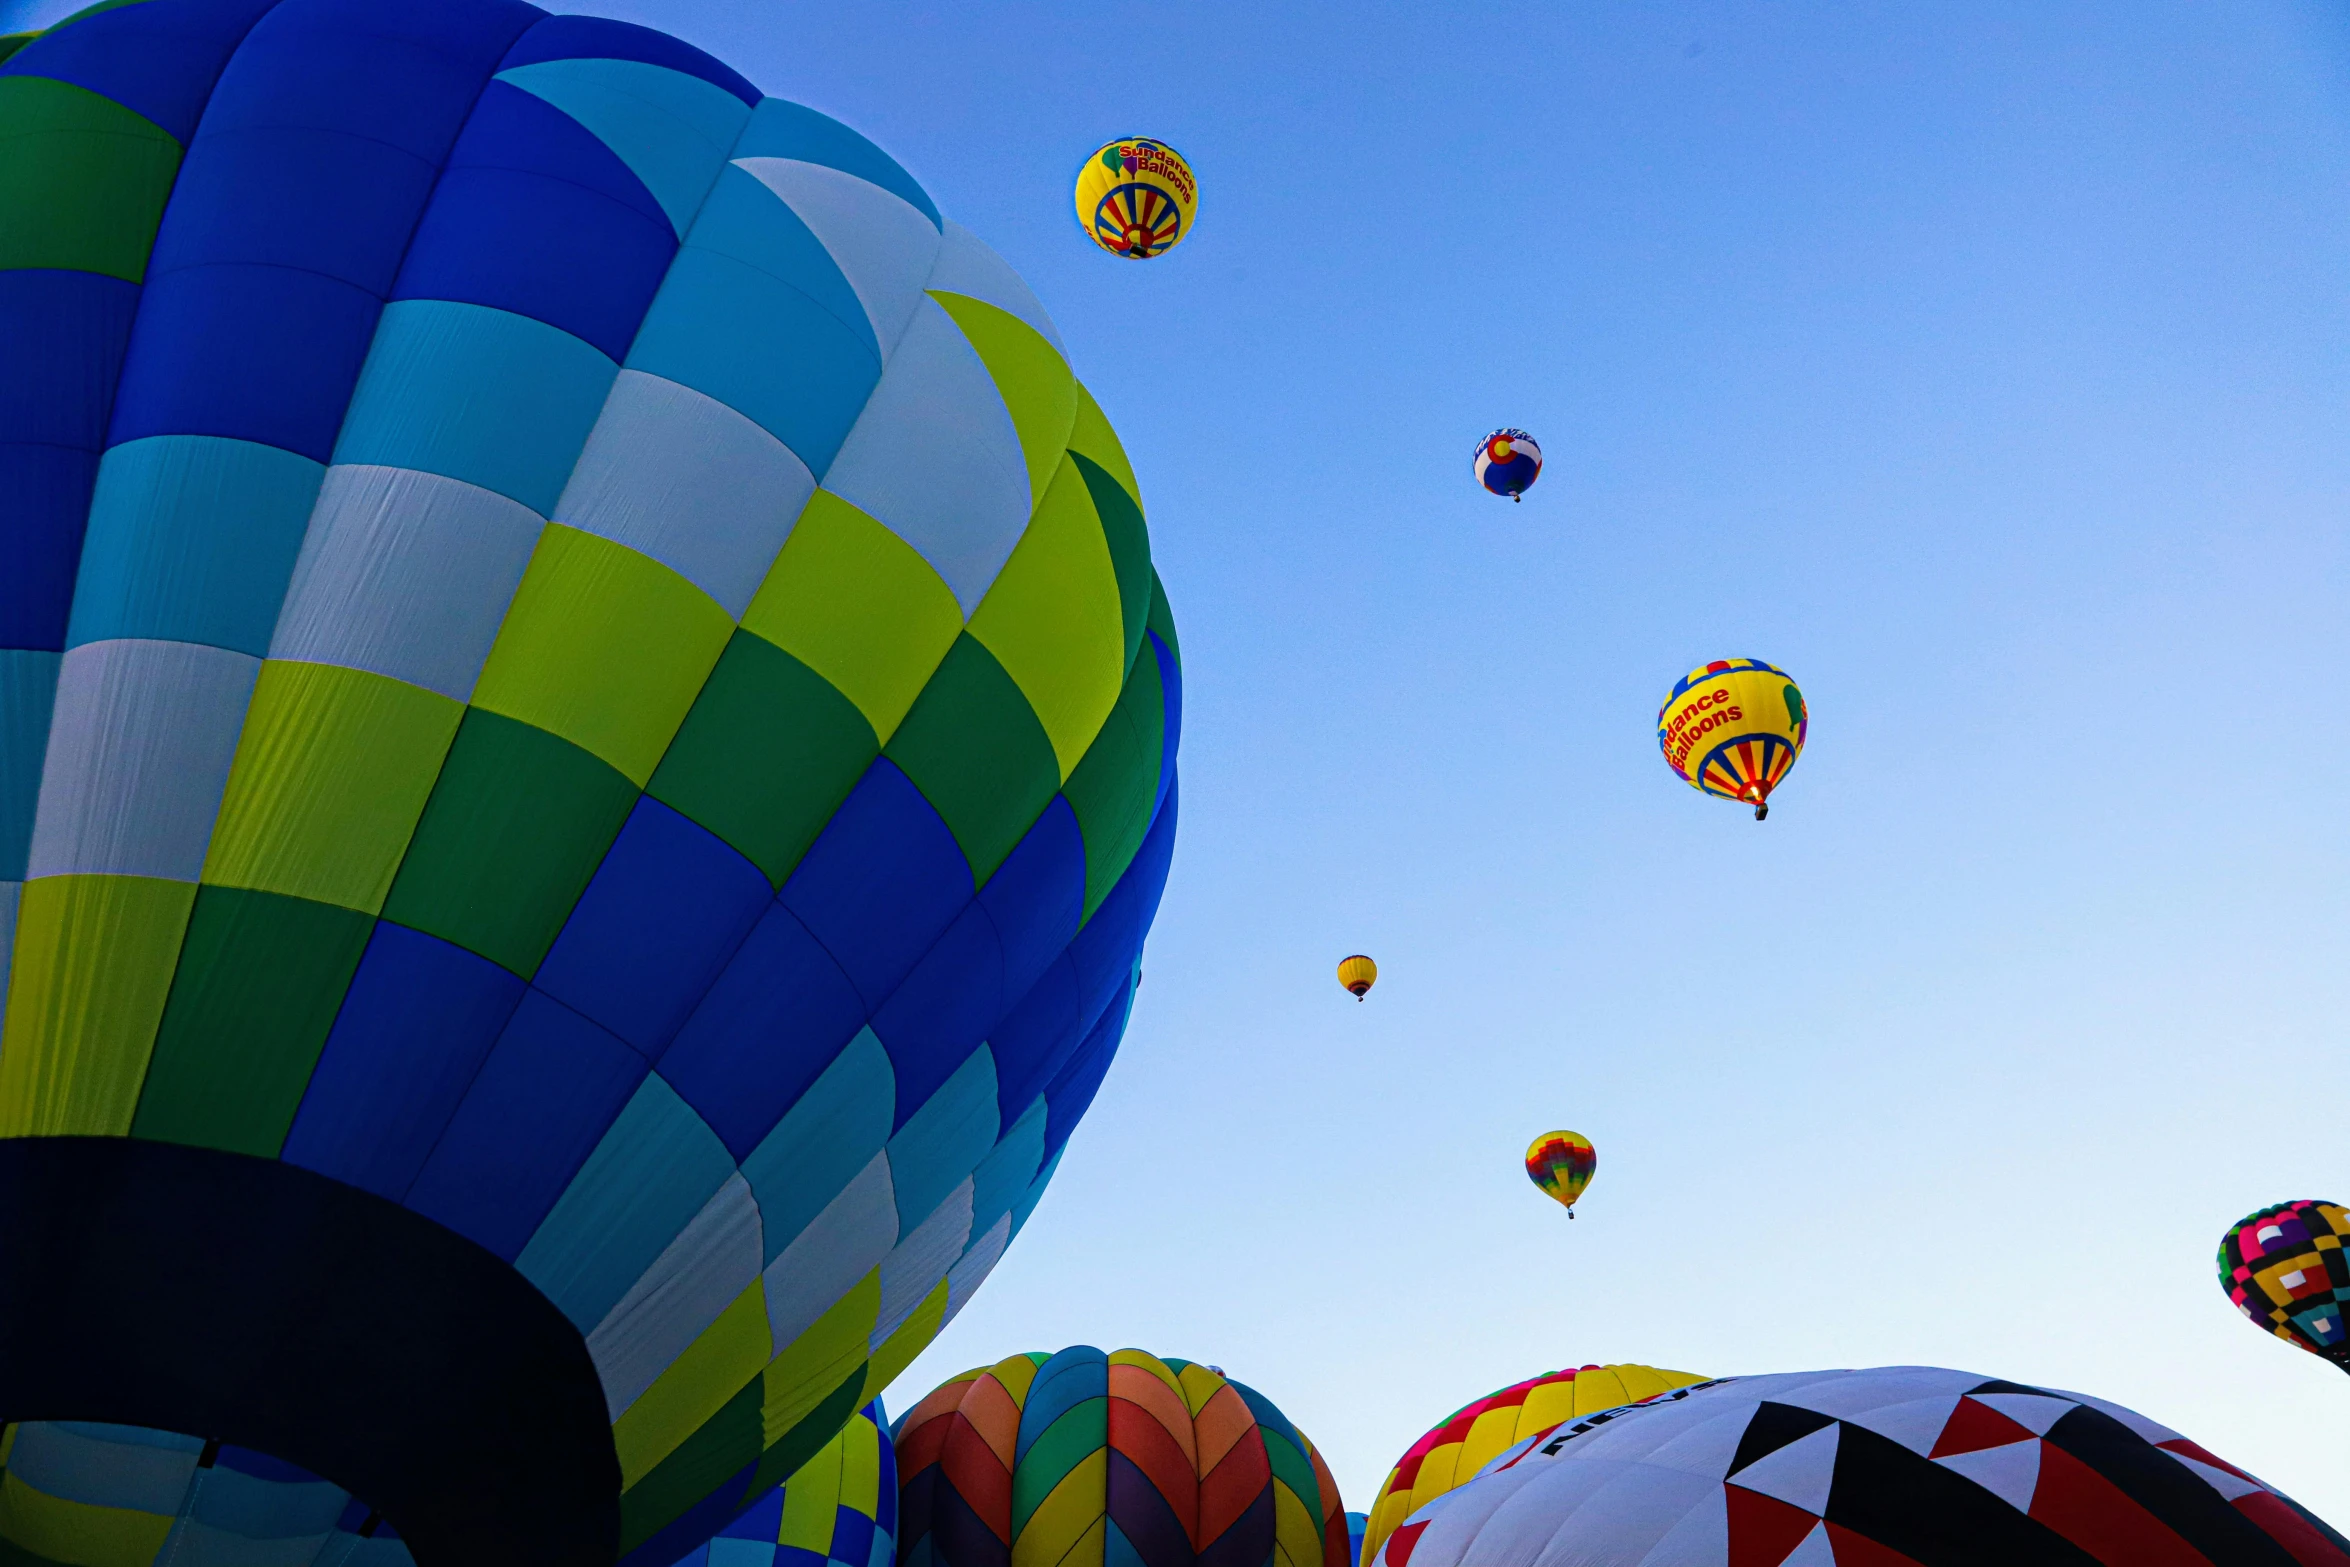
(1358, 974)
(1136, 197)
(1733, 728)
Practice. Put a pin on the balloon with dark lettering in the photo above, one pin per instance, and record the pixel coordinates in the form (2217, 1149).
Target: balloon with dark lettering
(1136, 197)
(1508, 462)
(1732, 729)
(2284, 1268)
(1561, 1164)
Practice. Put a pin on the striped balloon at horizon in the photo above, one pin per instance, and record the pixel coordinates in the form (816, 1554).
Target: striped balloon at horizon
(587, 741)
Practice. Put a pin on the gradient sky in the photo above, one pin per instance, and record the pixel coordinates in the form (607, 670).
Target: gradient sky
(1984, 365)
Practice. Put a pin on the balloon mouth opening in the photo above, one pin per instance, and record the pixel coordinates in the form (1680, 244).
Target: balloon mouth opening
(1358, 990)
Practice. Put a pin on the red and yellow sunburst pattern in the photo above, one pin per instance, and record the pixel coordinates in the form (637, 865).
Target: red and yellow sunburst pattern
(1733, 728)
(1136, 197)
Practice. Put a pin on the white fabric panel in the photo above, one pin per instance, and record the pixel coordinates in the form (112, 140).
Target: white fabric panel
(911, 1271)
(1798, 1474)
(406, 574)
(685, 479)
(2227, 1485)
(713, 1260)
(966, 266)
(1471, 1518)
(824, 1261)
(2152, 1430)
(1813, 1550)
(2033, 1413)
(935, 459)
(139, 752)
(976, 1263)
(1852, 1394)
(1619, 1519)
(2011, 1473)
(1703, 1447)
(881, 242)
(1700, 1539)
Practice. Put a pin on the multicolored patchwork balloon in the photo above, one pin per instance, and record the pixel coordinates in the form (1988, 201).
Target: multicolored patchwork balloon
(587, 745)
(839, 1509)
(2284, 1269)
(1561, 1164)
(1880, 1468)
(1732, 728)
(1508, 462)
(1451, 1453)
(1136, 197)
(1083, 1459)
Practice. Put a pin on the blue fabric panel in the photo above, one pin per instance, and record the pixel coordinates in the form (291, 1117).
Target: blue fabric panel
(761, 347)
(293, 208)
(1034, 1039)
(1171, 683)
(62, 336)
(832, 1132)
(1037, 895)
(546, 1096)
(667, 908)
(252, 353)
(773, 1020)
(1106, 949)
(418, 1019)
(780, 129)
(261, 1466)
(746, 221)
(28, 692)
(937, 1017)
(527, 194)
(881, 883)
(852, 1535)
(593, 37)
(1027, 1205)
(763, 1520)
(159, 59)
(1066, 1101)
(1003, 1177)
(675, 131)
(648, 1177)
(1068, 1379)
(486, 396)
(255, 1508)
(192, 539)
(1117, 1550)
(354, 1516)
(692, 1527)
(943, 1141)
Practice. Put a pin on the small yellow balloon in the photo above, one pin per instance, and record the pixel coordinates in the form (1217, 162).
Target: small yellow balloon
(1136, 197)
(1358, 974)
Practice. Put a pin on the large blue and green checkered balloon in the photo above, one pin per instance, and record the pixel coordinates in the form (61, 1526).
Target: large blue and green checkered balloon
(587, 743)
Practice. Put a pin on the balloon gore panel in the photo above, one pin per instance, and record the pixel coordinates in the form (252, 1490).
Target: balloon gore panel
(576, 668)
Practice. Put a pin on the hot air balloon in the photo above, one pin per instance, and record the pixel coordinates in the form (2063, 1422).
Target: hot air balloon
(1357, 1524)
(587, 742)
(2284, 1269)
(1451, 1454)
(1732, 728)
(1508, 462)
(1561, 1165)
(1357, 975)
(1902, 1464)
(1082, 1459)
(839, 1508)
(1136, 197)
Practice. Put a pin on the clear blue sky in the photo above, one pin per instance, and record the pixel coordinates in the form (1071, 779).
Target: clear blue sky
(1987, 366)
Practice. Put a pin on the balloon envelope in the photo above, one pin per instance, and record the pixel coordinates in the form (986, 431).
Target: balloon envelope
(1900, 1464)
(1083, 1459)
(1358, 974)
(1561, 1164)
(1136, 197)
(1732, 728)
(839, 1508)
(2284, 1269)
(1451, 1453)
(1508, 462)
(587, 745)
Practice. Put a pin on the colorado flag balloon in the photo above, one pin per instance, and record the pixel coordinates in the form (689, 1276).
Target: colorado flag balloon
(587, 742)
(1508, 462)
(1732, 728)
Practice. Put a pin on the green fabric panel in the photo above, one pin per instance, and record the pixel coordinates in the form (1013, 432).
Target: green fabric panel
(977, 753)
(1130, 547)
(1082, 1431)
(767, 754)
(261, 977)
(604, 647)
(1029, 374)
(726, 1442)
(517, 824)
(1291, 1466)
(15, 1555)
(1163, 618)
(82, 179)
(9, 44)
(1114, 787)
(332, 772)
(803, 1441)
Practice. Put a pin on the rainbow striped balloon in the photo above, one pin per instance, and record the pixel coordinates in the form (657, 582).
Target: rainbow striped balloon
(1086, 1459)
(1562, 1164)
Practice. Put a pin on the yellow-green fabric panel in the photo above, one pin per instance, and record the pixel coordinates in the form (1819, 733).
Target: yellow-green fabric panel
(799, 1378)
(1090, 433)
(1198, 1384)
(1297, 1529)
(1052, 619)
(331, 775)
(78, 1532)
(93, 966)
(1145, 1360)
(604, 647)
(1017, 1373)
(859, 1447)
(714, 1368)
(1030, 375)
(857, 604)
(912, 1338)
(811, 1502)
(1069, 1511)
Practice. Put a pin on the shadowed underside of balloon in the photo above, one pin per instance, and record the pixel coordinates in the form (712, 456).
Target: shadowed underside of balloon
(576, 666)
